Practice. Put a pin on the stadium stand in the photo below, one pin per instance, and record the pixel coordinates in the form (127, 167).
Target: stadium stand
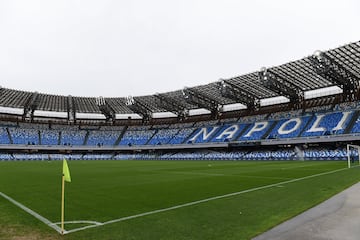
(102, 137)
(6, 157)
(320, 126)
(307, 125)
(285, 127)
(326, 154)
(163, 136)
(229, 132)
(181, 135)
(140, 137)
(24, 136)
(73, 137)
(4, 137)
(49, 137)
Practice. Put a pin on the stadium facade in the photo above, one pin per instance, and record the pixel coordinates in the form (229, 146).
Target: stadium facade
(274, 108)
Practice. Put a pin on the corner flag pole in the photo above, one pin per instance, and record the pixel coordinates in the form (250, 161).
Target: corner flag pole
(62, 204)
(65, 178)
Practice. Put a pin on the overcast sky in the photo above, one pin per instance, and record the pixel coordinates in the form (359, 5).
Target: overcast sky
(140, 47)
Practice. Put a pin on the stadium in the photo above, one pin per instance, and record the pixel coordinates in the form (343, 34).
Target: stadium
(175, 160)
(179, 120)
(272, 108)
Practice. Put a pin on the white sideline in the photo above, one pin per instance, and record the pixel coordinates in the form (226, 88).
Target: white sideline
(97, 224)
(31, 212)
(78, 221)
(203, 200)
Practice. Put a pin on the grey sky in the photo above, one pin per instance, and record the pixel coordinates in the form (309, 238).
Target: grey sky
(139, 47)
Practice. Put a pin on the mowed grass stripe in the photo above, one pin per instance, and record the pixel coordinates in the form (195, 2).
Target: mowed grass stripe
(203, 201)
(98, 184)
(31, 212)
(126, 188)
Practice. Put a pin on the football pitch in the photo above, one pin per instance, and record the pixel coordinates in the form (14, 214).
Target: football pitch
(163, 199)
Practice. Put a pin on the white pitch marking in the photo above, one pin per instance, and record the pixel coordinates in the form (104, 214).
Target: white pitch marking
(31, 212)
(253, 176)
(300, 166)
(78, 221)
(204, 200)
(197, 173)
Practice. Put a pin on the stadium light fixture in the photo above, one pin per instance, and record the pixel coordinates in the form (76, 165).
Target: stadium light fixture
(318, 54)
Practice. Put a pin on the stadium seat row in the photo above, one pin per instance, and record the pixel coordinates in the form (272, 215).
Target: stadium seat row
(280, 126)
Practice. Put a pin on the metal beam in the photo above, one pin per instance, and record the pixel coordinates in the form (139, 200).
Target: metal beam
(276, 83)
(172, 105)
(105, 109)
(31, 105)
(194, 96)
(335, 73)
(139, 107)
(71, 109)
(232, 91)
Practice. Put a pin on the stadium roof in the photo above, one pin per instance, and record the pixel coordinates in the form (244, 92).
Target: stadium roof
(300, 74)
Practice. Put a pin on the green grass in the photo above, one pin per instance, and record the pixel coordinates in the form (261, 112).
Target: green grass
(106, 190)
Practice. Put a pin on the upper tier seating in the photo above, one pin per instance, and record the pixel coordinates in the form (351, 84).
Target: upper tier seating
(256, 131)
(181, 136)
(163, 136)
(49, 137)
(283, 128)
(136, 137)
(229, 132)
(71, 137)
(4, 137)
(283, 125)
(327, 124)
(100, 138)
(24, 136)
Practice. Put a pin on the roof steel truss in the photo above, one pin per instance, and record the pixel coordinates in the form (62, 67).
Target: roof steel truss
(276, 83)
(193, 96)
(31, 105)
(139, 107)
(240, 95)
(336, 73)
(106, 109)
(71, 109)
(171, 105)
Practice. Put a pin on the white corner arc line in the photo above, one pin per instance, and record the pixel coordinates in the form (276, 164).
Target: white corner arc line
(78, 221)
(204, 200)
(31, 212)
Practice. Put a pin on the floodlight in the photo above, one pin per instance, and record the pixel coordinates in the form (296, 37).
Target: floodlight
(318, 54)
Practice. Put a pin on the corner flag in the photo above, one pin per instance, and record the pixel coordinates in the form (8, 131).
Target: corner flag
(66, 171)
(65, 177)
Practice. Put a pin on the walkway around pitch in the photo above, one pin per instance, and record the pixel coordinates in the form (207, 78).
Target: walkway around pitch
(338, 218)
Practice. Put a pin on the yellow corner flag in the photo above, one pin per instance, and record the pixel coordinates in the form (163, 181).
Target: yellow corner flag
(66, 171)
(65, 177)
